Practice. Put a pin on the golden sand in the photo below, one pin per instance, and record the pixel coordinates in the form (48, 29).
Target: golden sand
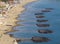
(10, 22)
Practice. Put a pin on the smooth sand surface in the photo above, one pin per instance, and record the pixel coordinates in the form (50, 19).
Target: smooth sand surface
(10, 21)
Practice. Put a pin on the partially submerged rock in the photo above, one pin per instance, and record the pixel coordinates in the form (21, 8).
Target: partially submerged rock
(42, 20)
(45, 31)
(18, 40)
(49, 8)
(43, 25)
(39, 16)
(46, 10)
(40, 39)
(39, 13)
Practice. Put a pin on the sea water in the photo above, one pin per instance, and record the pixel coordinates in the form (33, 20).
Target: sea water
(28, 28)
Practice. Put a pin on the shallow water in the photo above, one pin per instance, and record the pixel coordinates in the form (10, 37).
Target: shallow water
(29, 28)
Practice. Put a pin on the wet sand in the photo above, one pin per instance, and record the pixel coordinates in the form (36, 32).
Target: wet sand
(10, 22)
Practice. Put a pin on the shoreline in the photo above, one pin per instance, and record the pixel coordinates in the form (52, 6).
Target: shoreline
(11, 22)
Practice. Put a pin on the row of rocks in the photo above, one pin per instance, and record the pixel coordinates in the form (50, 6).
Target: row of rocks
(44, 31)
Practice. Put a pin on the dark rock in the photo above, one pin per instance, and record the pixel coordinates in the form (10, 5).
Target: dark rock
(18, 40)
(40, 39)
(43, 25)
(46, 10)
(11, 35)
(42, 20)
(39, 13)
(45, 31)
(40, 16)
(49, 8)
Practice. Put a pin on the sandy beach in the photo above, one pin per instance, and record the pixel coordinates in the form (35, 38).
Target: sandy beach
(10, 22)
